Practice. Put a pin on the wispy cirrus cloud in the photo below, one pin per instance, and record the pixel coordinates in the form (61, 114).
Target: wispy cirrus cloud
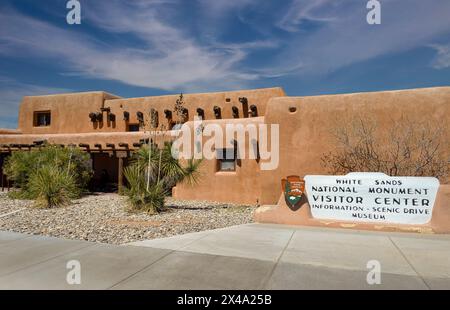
(442, 59)
(156, 44)
(345, 38)
(309, 10)
(169, 58)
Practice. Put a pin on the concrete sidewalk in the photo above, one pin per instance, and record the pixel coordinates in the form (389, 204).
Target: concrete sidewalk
(253, 256)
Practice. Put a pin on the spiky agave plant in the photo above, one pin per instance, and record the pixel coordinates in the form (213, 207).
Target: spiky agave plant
(52, 186)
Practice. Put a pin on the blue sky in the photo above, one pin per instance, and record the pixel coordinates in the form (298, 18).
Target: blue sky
(153, 47)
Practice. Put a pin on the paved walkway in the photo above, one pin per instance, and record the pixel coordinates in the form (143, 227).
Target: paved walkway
(253, 256)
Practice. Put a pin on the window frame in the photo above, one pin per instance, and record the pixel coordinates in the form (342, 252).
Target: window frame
(225, 159)
(36, 118)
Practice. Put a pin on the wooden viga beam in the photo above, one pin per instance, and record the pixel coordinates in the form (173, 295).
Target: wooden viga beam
(5, 146)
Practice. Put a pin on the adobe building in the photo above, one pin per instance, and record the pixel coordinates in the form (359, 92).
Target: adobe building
(109, 128)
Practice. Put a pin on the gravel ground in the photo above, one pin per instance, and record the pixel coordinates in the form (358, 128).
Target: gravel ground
(103, 218)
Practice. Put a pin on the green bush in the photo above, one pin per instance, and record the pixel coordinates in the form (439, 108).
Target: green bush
(29, 169)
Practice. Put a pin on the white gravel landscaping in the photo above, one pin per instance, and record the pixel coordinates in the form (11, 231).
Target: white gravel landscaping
(103, 218)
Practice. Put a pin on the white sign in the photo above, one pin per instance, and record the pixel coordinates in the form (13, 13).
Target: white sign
(372, 197)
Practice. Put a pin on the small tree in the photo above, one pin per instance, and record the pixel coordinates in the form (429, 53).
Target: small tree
(402, 149)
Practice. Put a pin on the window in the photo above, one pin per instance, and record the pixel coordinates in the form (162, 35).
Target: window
(226, 159)
(133, 127)
(42, 119)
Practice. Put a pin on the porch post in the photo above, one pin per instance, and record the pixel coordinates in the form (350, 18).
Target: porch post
(120, 175)
(120, 156)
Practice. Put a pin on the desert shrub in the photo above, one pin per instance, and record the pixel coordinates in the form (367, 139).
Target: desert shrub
(51, 186)
(21, 166)
(153, 172)
(141, 198)
(403, 148)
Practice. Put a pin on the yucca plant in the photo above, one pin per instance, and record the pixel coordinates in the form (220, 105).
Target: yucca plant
(52, 186)
(152, 173)
(164, 167)
(141, 198)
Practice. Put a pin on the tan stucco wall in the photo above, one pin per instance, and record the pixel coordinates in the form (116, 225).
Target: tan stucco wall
(205, 101)
(307, 134)
(240, 186)
(69, 112)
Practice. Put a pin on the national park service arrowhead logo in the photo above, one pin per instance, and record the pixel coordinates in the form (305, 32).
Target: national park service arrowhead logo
(293, 187)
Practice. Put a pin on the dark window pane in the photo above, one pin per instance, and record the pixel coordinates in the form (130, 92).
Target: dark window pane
(227, 165)
(42, 119)
(226, 159)
(133, 127)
